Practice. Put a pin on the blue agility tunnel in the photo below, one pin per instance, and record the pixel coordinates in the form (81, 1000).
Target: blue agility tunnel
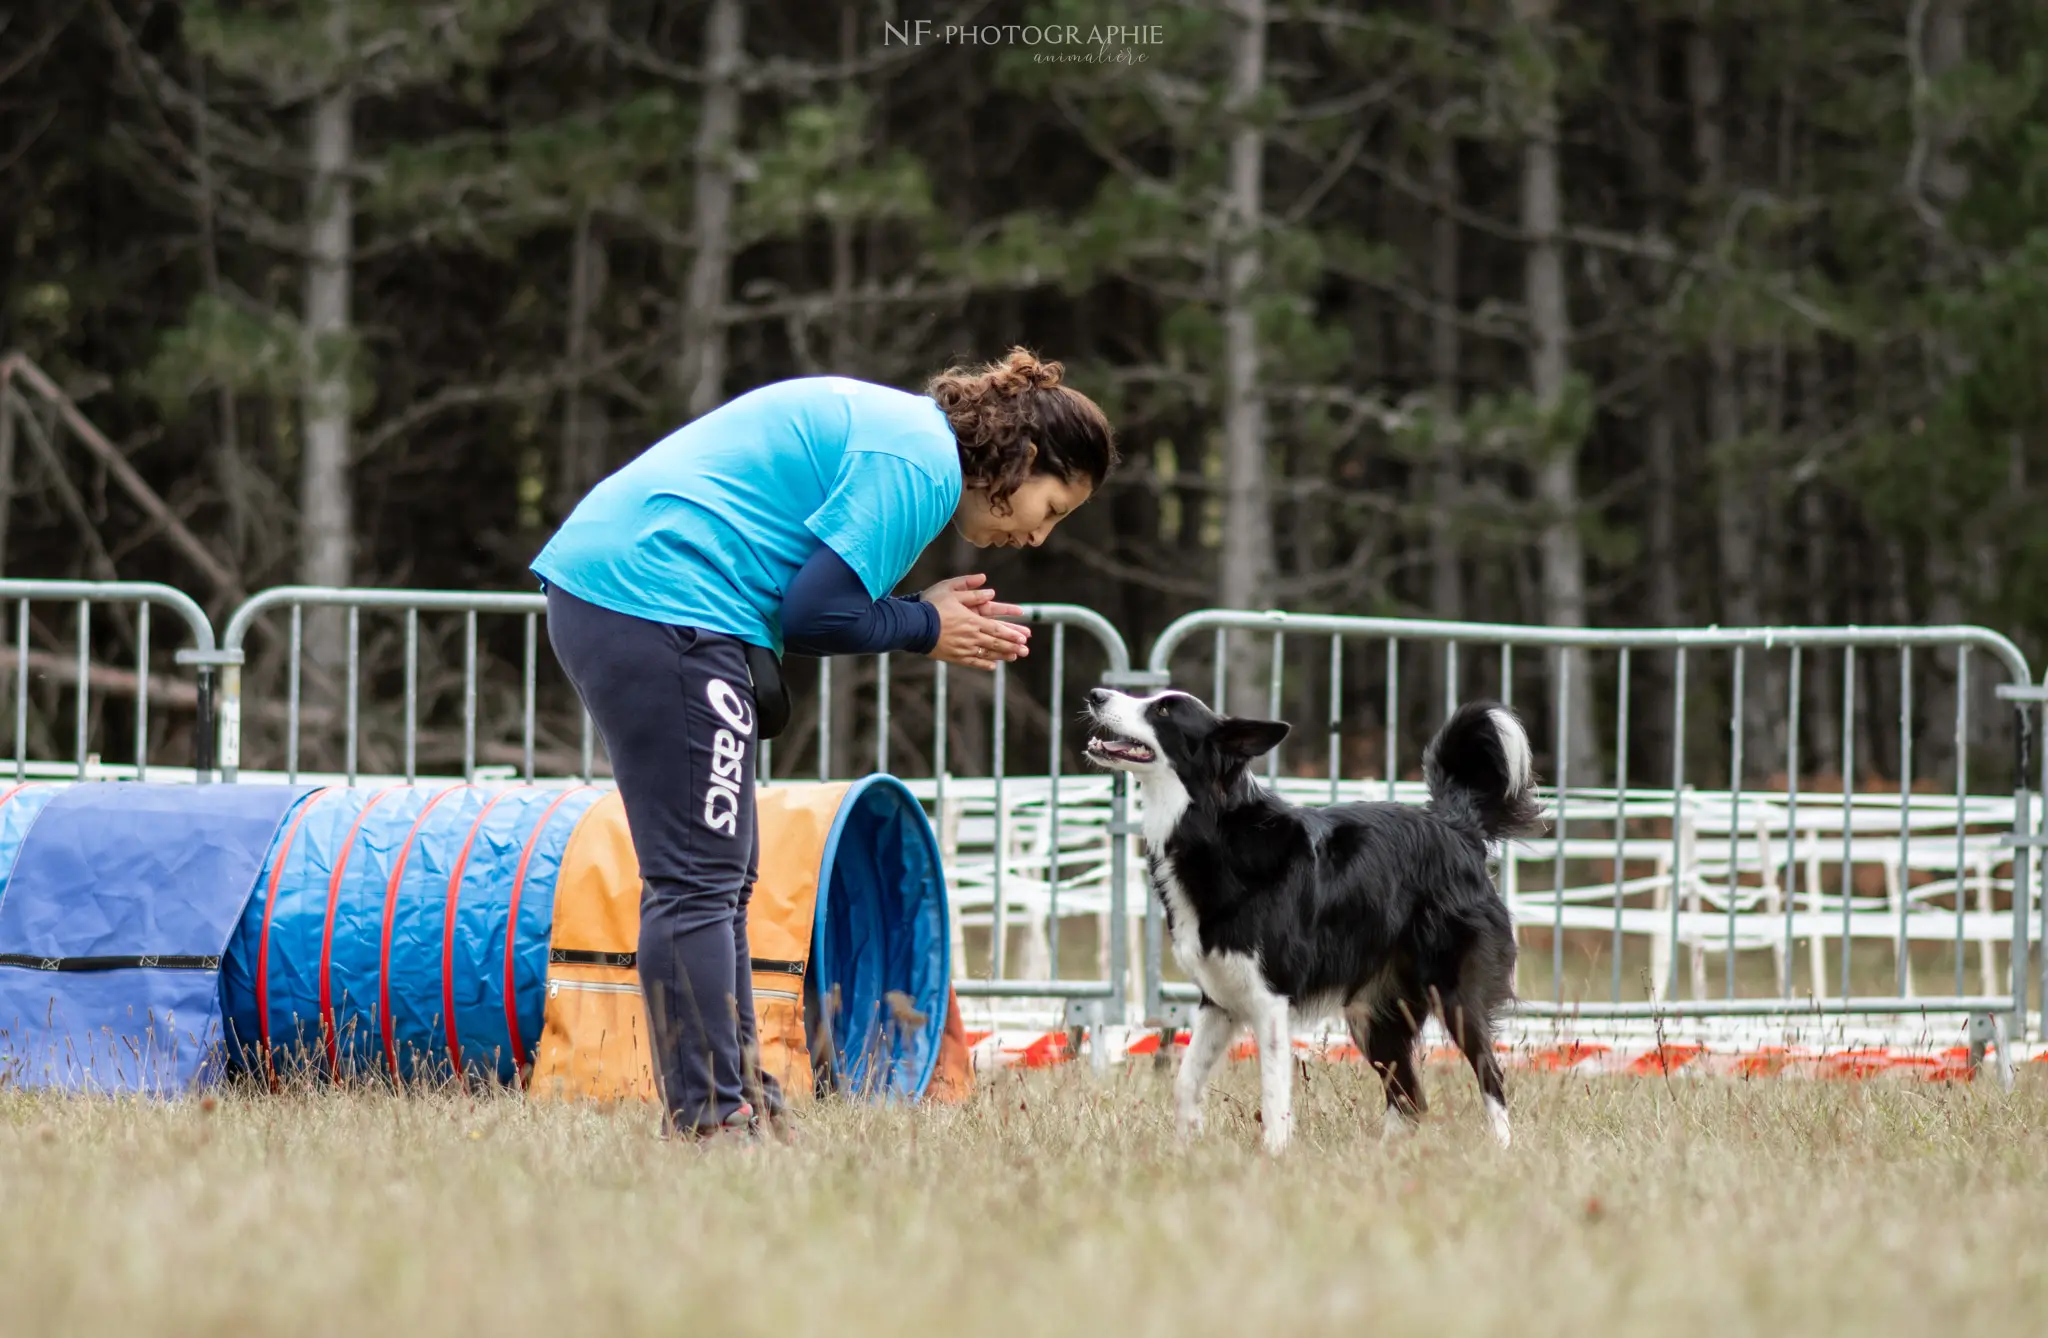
(155, 937)
(402, 930)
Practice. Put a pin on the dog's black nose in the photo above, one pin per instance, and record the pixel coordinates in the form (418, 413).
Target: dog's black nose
(1099, 696)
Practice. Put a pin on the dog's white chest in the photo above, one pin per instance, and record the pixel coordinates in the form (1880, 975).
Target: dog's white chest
(1187, 936)
(1230, 979)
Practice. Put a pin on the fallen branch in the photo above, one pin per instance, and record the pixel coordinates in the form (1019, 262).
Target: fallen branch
(102, 679)
(17, 367)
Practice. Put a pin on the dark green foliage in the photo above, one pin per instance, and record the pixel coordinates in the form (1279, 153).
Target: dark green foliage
(902, 206)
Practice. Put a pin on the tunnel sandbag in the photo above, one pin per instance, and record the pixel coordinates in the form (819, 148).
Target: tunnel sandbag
(118, 913)
(402, 931)
(863, 851)
(796, 823)
(881, 955)
(953, 1079)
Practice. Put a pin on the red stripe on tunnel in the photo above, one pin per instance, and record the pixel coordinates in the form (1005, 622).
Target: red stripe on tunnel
(284, 853)
(448, 932)
(512, 924)
(328, 1032)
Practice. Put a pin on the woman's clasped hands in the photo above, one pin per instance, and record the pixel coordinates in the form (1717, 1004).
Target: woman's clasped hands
(971, 633)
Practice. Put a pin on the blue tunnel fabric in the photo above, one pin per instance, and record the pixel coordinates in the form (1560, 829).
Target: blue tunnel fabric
(345, 962)
(345, 837)
(881, 925)
(497, 844)
(118, 910)
(361, 965)
(412, 914)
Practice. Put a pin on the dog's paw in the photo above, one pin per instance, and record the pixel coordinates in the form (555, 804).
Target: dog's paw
(1497, 1121)
(1188, 1124)
(1276, 1138)
(1394, 1125)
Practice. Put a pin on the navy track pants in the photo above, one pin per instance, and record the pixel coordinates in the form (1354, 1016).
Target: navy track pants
(675, 707)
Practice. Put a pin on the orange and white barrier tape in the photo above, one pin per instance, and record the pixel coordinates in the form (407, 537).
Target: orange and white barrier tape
(994, 1050)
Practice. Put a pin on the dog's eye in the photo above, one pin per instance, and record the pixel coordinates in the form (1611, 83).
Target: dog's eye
(1159, 711)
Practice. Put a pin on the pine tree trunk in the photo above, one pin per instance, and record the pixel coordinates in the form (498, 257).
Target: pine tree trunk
(700, 372)
(1446, 561)
(326, 506)
(1769, 679)
(231, 472)
(586, 427)
(1657, 674)
(1944, 48)
(1557, 472)
(1667, 598)
(1246, 580)
(1819, 704)
(1772, 398)
(1734, 509)
(1945, 180)
(7, 471)
(324, 501)
(1738, 500)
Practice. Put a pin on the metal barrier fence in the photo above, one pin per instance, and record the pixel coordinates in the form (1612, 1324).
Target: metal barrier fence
(294, 600)
(138, 598)
(1740, 898)
(1661, 874)
(1048, 857)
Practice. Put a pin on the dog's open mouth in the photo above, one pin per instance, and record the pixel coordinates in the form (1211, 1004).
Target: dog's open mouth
(1117, 748)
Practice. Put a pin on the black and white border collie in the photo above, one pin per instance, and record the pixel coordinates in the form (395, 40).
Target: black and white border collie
(1280, 914)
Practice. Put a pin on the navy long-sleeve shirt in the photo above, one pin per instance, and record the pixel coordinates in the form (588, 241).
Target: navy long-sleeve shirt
(827, 611)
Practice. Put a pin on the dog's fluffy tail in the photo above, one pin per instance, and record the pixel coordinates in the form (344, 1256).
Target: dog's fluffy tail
(1481, 775)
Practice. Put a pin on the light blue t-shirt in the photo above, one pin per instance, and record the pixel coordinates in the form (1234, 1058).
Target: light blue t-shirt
(709, 525)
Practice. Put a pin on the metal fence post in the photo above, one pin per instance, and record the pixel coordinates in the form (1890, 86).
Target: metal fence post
(2022, 872)
(217, 735)
(217, 738)
(202, 729)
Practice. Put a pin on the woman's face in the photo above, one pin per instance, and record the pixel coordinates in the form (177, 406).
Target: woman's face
(1043, 502)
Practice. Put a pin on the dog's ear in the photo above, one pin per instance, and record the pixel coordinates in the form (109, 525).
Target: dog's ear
(1249, 738)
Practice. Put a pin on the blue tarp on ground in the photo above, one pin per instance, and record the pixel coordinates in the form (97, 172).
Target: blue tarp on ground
(881, 926)
(20, 804)
(116, 917)
(347, 964)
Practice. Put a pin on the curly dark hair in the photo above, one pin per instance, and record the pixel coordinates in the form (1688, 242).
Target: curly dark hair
(999, 410)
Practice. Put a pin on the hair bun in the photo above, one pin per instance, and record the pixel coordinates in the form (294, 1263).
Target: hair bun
(1020, 370)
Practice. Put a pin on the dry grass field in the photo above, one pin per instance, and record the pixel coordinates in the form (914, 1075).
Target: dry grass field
(1056, 1204)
